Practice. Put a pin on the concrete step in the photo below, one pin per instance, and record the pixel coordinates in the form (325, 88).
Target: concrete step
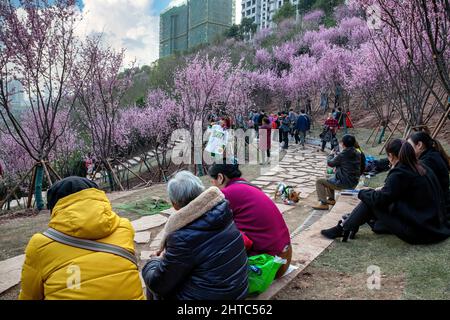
(309, 244)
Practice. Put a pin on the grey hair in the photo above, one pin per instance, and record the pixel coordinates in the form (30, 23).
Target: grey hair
(184, 187)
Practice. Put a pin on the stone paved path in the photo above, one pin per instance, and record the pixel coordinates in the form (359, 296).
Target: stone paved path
(299, 168)
(309, 244)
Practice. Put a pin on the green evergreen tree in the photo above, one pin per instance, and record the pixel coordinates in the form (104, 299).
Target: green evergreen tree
(287, 10)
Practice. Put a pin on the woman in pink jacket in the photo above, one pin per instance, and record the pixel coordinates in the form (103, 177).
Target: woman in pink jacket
(255, 214)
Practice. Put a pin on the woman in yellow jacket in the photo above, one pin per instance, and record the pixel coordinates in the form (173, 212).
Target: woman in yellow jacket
(53, 270)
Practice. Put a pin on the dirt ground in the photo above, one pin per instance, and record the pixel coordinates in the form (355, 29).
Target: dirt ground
(325, 284)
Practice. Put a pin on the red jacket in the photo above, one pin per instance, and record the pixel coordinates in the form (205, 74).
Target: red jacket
(258, 217)
(333, 124)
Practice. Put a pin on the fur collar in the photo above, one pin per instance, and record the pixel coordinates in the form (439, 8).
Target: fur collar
(207, 200)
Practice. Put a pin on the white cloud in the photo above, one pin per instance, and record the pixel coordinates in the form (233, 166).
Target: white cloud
(125, 24)
(175, 3)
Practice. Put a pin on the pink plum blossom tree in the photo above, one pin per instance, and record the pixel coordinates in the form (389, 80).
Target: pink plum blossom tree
(38, 49)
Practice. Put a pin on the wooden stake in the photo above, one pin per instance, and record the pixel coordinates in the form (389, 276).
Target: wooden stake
(44, 165)
(373, 131)
(94, 174)
(375, 137)
(115, 176)
(53, 171)
(390, 136)
(441, 123)
(11, 193)
(126, 167)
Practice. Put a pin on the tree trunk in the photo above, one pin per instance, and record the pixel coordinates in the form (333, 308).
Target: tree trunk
(382, 135)
(110, 179)
(38, 187)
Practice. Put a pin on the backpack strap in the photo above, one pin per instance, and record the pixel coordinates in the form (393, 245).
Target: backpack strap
(89, 244)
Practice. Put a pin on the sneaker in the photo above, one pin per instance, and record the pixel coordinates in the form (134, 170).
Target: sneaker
(321, 206)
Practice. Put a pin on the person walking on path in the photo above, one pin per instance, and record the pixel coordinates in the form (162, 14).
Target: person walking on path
(302, 126)
(328, 134)
(285, 129)
(265, 144)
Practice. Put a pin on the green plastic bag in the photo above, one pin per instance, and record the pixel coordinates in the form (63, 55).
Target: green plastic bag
(261, 272)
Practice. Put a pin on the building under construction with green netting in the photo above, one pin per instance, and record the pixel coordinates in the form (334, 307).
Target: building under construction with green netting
(193, 23)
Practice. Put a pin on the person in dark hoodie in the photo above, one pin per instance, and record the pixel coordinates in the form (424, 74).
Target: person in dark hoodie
(430, 153)
(348, 166)
(410, 205)
(202, 254)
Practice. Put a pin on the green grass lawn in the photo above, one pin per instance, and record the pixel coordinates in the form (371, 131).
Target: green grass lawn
(424, 269)
(145, 207)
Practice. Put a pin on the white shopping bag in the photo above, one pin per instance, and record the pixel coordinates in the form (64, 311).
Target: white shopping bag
(218, 139)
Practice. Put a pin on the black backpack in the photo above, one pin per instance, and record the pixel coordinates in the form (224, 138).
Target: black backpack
(363, 163)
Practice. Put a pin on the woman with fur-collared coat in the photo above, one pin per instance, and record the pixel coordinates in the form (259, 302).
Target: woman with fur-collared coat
(202, 254)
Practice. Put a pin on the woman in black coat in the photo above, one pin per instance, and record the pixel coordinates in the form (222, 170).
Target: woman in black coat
(431, 154)
(202, 254)
(410, 205)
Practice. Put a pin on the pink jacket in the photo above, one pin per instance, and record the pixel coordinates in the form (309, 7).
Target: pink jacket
(258, 217)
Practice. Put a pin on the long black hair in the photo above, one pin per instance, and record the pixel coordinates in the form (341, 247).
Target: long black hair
(393, 147)
(430, 143)
(406, 155)
(228, 170)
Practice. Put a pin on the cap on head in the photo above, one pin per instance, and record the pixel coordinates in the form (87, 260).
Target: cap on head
(66, 187)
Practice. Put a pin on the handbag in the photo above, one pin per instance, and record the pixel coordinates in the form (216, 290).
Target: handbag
(262, 270)
(89, 244)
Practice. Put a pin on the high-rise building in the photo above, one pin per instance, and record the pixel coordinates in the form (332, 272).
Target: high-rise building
(193, 23)
(262, 11)
(173, 30)
(17, 96)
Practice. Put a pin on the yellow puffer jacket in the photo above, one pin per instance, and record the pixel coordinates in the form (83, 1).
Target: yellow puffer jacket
(51, 269)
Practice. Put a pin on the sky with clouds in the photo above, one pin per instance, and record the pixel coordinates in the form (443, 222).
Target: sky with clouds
(129, 24)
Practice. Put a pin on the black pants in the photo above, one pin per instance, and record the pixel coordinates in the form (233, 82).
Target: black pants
(363, 214)
(334, 144)
(286, 139)
(360, 215)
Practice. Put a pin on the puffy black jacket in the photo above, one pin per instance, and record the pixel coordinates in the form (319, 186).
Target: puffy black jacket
(205, 260)
(348, 166)
(410, 206)
(433, 159)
